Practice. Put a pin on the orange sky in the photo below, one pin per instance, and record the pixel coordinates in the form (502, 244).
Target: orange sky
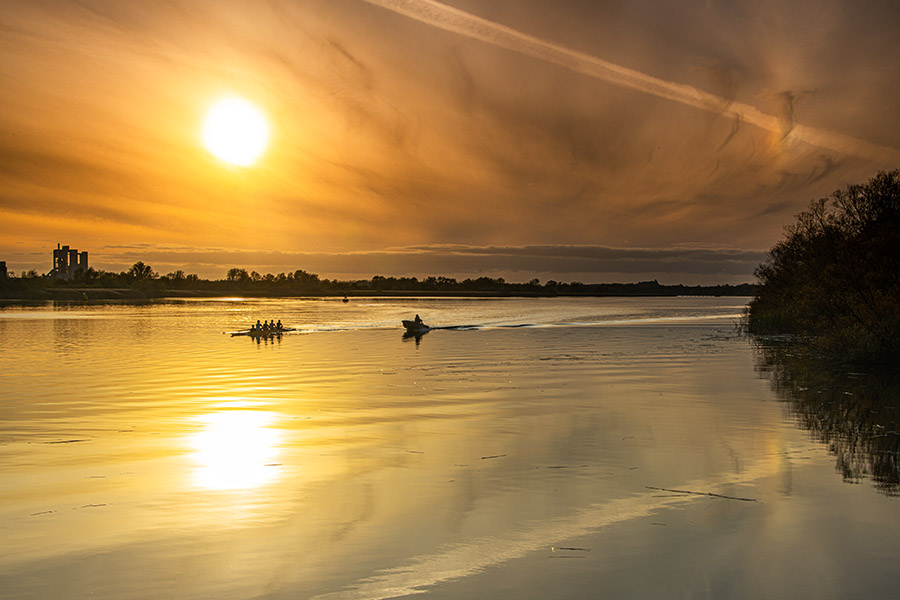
(572, 140)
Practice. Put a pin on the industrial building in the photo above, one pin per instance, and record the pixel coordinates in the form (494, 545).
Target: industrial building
(67, 262)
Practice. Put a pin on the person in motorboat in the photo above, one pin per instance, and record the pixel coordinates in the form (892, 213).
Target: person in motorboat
(416, 325)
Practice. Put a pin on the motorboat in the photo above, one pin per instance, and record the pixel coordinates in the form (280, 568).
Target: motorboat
(415, 327)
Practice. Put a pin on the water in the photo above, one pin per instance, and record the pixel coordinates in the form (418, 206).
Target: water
(146, 453)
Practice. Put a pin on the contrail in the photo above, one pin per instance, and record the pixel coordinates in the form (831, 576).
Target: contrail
(469, 25)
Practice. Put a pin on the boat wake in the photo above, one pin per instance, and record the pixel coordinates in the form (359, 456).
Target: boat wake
(616, 321)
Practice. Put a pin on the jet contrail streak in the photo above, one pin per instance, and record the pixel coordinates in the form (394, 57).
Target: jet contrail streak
(469, 25)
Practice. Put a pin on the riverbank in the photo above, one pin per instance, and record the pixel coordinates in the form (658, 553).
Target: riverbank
(80, 294)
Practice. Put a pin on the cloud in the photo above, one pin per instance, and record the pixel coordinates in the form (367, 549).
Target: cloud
(458, 21)
(702, 125)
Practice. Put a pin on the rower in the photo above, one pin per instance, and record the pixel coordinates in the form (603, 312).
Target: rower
(278, 325)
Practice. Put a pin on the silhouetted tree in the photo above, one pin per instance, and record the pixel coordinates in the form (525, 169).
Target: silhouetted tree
(179, 280)
(89, 275)
(141, 271)
(235, 274)
(306, 280)
(835, 277)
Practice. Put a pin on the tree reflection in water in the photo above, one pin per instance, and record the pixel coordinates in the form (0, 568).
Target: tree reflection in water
(857, 414)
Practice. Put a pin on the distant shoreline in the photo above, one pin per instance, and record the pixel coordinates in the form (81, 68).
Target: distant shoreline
(63, 294)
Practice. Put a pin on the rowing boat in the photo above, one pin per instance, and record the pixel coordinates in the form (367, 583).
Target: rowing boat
(263, 332)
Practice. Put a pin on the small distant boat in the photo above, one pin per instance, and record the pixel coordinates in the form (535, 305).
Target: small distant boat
(415, 326)
(346, 299)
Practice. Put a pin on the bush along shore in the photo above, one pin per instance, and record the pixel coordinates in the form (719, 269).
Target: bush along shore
(834, 279)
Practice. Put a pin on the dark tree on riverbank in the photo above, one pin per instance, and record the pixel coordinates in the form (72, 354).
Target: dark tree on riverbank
(141, 271)
(835, 277)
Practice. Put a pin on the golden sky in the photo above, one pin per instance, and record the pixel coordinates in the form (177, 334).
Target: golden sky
(559, 139)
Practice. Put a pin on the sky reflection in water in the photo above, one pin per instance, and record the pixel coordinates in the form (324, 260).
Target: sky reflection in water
(145, 454)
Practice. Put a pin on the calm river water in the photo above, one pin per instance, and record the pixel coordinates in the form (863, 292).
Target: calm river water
(555, 448)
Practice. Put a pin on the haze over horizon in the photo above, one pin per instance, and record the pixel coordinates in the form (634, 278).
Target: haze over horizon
(568, 140)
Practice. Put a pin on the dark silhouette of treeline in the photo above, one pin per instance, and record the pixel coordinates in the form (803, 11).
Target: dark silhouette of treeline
(834, 280)
(142, 281)
(855, 413)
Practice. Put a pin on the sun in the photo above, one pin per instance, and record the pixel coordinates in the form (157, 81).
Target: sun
(235, 131)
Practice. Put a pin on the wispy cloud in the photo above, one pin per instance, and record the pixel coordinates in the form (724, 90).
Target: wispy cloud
(576, 140)
(452, 19)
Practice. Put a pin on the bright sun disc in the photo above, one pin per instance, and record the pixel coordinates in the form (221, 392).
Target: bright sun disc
(235, 131)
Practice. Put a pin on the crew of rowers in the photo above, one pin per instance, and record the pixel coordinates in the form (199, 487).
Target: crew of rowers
(267, 327)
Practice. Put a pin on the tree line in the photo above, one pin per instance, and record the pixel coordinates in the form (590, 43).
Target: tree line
(141, 277)
(834, 279)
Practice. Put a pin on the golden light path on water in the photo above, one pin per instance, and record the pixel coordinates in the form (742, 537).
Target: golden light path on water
(235, 450)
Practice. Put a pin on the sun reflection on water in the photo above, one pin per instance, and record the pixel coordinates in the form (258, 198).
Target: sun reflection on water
(235, 450)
